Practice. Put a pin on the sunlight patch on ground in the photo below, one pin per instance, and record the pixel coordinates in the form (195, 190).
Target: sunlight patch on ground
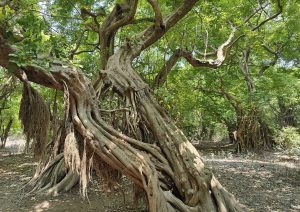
(28, 164)
(43, 206)
(4, 172)
(236, 160)
(15, 144)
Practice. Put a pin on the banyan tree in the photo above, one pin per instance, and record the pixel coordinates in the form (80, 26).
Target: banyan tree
(137, 138)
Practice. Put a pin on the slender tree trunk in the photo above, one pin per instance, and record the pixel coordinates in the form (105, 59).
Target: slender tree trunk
(287, 115)
(5, 133)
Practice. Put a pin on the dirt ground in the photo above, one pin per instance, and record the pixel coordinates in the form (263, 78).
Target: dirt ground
(261, 182)
(264, 182)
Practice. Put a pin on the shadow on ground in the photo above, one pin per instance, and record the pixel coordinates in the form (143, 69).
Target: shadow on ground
(261, 183)
(269, 182)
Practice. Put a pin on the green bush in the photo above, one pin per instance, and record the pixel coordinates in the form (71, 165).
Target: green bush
(288, 138)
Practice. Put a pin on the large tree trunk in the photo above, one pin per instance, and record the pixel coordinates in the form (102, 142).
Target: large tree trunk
(170, 170)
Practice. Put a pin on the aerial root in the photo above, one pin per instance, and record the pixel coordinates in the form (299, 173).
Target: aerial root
(35, 118)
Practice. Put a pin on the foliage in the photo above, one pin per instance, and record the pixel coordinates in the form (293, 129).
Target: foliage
(289, 138)
(44, 31)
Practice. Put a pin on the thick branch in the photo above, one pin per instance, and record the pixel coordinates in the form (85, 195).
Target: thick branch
(121, 15)
(125, 20)
(152, 34)
(244, 60)
(5, 50)
(162, 75)
(221, 54)
(114, 110)
(157, 12)
(34, 73)
(84, 12)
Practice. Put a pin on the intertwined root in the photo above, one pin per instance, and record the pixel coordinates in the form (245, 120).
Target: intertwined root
(54, 178)
(169, 170)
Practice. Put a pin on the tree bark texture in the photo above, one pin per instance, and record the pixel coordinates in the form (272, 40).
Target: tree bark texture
(170, 170)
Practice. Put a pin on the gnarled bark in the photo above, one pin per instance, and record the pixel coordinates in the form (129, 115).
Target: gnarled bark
(170, 171)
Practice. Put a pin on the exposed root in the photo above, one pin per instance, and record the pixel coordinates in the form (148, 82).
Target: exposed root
(224, 200)
(71, 152)
(54, 178)
(170, 171)
(66, 184)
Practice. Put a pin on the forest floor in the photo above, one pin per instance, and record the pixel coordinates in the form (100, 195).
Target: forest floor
(261, 182)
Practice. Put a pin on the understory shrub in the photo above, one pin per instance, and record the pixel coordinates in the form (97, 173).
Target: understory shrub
(288, 138)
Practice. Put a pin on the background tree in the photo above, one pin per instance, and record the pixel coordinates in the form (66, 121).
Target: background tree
(239, 90)
(7, 88)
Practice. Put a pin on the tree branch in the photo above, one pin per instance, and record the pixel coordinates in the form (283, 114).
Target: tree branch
(5, 50)
(261, 7)
(157, 12)
(152, 34)
(221, 54)
(114, 110)
(272, 63)
(280, 8)
(34, 73)
(166, 69)
(84, 12)
(269, 50)
(236, 104)
(54, 16)
(244, 60)
(85, 51)
(223, 93)
(141, 20)
(121, 15)
(6, 88)
(125, 20)
(73, 51)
